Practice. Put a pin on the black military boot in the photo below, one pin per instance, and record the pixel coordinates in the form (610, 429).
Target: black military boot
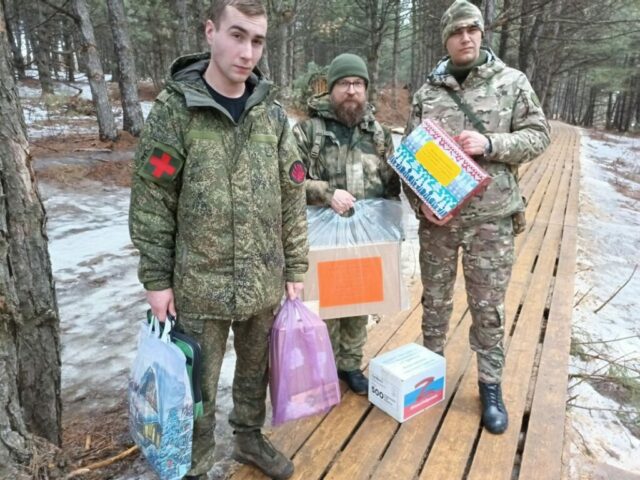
(253, 448)
(357, 382)
(494, 414)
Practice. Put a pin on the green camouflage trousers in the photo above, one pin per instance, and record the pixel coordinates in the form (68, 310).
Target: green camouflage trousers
(249, 391)
(348, 336)
(487, 259)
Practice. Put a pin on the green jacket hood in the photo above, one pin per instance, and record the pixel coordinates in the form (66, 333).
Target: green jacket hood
(185, 78)
(440, 76)
(320, 106)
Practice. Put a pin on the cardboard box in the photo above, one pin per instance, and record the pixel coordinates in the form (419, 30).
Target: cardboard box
(357, 280)
(437, 170)
(407, 381)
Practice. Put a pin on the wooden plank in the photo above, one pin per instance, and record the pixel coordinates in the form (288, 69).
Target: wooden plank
(544, 442)
(314, 456)
(455, 431)
(495, 454)
(364, 449)
(451, 450)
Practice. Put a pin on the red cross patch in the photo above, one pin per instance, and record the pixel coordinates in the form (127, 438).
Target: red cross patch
(297, 172)
(161, 165)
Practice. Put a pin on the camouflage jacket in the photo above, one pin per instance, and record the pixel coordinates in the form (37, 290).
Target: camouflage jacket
(217, 208)
(502, 98)
(352, 159)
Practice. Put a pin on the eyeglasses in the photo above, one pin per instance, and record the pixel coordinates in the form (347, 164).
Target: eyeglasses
(345, 85)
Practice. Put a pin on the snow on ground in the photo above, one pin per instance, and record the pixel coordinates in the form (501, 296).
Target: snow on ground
(48, 120)
(608, 245)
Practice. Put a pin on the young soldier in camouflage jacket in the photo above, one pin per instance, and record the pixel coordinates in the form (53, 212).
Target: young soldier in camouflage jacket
(218, 214)
(345, 149)
(515, 132)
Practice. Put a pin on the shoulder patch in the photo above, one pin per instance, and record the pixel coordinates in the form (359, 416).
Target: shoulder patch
(161, 165)
(297, 172)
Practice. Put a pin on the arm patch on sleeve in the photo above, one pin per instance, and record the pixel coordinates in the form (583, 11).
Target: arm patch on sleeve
(162, 165)
(297, 172)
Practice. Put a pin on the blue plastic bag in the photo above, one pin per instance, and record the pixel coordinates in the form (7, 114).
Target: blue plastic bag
(161, 403)
(303, 379)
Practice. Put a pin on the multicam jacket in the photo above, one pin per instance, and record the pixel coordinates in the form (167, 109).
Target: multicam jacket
(217, 208)
(352, 159)
(502, 98)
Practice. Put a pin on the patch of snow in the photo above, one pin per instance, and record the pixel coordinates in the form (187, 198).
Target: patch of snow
(146, 108)
(608, 245)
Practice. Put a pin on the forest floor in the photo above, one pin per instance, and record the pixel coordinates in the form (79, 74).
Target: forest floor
(84, 184)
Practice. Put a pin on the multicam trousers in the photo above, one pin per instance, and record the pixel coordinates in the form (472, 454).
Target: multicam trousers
(487, 259)
(348, 336)
(249, 391)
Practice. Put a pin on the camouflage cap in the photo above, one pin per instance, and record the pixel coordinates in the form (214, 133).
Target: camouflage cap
(461, 13)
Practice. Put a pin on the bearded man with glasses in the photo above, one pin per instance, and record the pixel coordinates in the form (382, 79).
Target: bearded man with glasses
(344, 149)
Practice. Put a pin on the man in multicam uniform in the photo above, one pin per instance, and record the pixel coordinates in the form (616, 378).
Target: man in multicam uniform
(344, 149)
(516, 131)
(218, 214)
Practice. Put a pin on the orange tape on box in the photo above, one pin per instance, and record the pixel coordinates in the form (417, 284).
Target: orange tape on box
(351, 281)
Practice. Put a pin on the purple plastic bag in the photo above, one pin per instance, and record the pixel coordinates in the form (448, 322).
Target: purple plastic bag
(302, 376)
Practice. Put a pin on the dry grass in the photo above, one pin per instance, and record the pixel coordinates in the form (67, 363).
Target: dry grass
(98, 436)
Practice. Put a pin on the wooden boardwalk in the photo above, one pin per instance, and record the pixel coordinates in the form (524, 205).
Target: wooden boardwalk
(358, 441)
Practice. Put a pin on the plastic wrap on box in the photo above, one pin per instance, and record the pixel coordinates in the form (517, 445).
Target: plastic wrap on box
(355, 261)
(437, 170)
(370, 221)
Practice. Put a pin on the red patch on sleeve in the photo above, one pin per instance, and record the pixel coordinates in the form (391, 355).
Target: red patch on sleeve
(160, 163)
(297, 172)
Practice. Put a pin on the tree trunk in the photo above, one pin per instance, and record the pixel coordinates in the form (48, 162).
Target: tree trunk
(263, 64)
(183, 34)
(29, 324)
(196, 29)
(127, 80)
(40, 46)
(505, 33)
(609, 120)
(489, 17)
(396, 55)
(13, 33)
(69, 58)
(106, 123)
(281, 33)
(415, 48)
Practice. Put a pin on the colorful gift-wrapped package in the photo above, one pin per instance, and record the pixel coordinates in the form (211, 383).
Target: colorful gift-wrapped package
(437, 170)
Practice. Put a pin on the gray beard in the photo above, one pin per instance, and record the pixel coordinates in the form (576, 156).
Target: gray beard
(349, 113)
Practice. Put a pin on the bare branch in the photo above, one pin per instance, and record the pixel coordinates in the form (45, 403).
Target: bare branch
(617, 291)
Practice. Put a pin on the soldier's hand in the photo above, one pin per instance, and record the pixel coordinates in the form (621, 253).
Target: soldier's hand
(429, 215)
(342, 201)
(472, 143)
(161, 302)
(294, 289)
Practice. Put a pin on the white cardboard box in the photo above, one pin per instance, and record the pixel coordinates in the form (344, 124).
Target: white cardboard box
(357, 280)
(407, 381)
